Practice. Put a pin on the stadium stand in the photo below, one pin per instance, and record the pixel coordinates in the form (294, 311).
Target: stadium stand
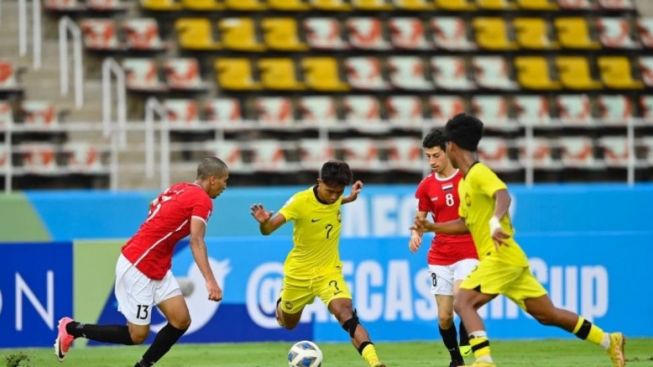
(366, 76)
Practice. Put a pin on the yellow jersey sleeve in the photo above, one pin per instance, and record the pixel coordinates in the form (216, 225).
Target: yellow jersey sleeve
(291, 210)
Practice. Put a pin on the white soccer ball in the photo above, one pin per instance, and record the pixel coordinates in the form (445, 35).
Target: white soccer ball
(304, 354)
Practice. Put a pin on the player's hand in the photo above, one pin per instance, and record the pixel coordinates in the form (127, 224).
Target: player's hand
(422, 225)
(214, 290)
(355, 190)
(499, 236)
(415, 241)
(259, 213)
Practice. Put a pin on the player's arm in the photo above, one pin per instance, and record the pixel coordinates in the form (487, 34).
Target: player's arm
(501, 205)
(268, 223)
(355, 190)
(200, 254)
(456, 226)
(416, 235)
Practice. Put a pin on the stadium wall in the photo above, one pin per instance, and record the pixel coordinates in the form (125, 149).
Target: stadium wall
(586, 244)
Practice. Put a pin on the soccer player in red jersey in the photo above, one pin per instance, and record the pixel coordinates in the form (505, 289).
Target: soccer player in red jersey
(451, 257)
(143, 276)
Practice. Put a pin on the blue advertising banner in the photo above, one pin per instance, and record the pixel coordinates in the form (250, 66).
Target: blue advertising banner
(586, 274)
(36, 288)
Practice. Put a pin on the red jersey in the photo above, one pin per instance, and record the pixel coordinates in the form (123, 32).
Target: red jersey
(440, 197)
(168, 221)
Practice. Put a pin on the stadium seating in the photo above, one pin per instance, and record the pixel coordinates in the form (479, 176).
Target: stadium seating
(533, 73)
(245, 5)
(541, 154)
(195, 34)
(413, 5)
(39, 113)
(407, 73)
(578, 152)
(82, 157)
(38, 158)
(317, 109)
(645, 30)
(8, 80)
(314, 152)
(365, 73)
(532, 110)
(616, 73)
(361, 110)
(404, 154)
(281, 34)
(502, 5)
(239, 34)
(574, 33)
(142, 35)
(274, 111)
(4, 157)
(492, 34)
(615, 151)
(537, 4)
(646, 106)
(443, 107)
(404, 110)
(493, 72)
(574, 72)
(235, 74)
(232, 154)
(64, 5)
(224, 111)
(324, 33)
(575, 4)
(455, 5)
(287, 5)
(494, 151)
(616, 4)
(322, 74)
(367, 34)
(161, 5)
(6, 114)
(184, 74)
(646, 70)
(330, 5)
(492, 110)
(100, 34)
(533, 33)
(408, 34)
(278, 74)
(181, 112)
(361, 153)
(450, 72)
(574, 109)
(202, 5)
(450, 33)
(614, 109)
(615, 33)
(268, 155)
(142, 75)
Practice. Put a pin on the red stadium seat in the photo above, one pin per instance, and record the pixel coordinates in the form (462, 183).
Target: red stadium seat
(143, 35)
(39, 158)
(100, 34)
(574, 109)
(577, 152)
(615, 151)
(494, 152)
(493, 72)
(182, 112)
(105, 5)
(407, 72)
(646, 70)
(492, 110)
(405, 154)
(404, 110)
(6, 114)
(82, 157)
(324, 33)
(64, 5)
(617, 4)
(361, 153)
(532, 110)
(7, 76)
(183, 74)
(365, 73)
(142, 75)
(39, 113)
(268, 155)
(450, 33)
(274, 111)
(645, 29)
(314, 152)
(367, 34)
(645, 146)
(614, 109)
(445, 107)
(450, 72)
(541, 153)
(575, 4)
(317, 109)
(615, 33)
(408, 34)
(646, 106)
(361, 110)
(223, 111)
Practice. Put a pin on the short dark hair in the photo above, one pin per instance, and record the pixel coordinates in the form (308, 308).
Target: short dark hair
(211, 166)
(336, 173)
(435, 138)
(464, 130)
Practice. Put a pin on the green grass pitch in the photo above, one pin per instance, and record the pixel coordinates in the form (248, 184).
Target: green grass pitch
(544, 353)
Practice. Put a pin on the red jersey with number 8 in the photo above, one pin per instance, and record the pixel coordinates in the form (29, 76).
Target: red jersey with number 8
(168, 221)
(439, 196)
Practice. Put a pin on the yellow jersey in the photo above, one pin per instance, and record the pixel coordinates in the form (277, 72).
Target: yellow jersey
(476, 191)
(316, 235)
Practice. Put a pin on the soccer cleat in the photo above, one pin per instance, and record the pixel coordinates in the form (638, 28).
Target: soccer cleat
(482, 364)
(64, 340)
(465, 350)
(616, 349)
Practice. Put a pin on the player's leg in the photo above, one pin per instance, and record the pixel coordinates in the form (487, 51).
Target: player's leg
(463, 345)
(443, 290)
(461, 270)
(172, 304)
(543, 310)
(134, 293)
(334, 292)
(295, 295)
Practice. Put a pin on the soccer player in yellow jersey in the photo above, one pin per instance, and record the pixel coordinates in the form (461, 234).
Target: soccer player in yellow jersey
(503, 267)
(313, 268)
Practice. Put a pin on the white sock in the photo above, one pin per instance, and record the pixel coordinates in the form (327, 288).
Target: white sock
(605, 343)
(486, 359)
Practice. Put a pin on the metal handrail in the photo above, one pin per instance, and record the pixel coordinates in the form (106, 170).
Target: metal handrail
(68, 26)
(37, 37)
(153, 108)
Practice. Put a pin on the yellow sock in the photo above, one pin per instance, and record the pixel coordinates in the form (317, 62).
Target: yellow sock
(481, 346)
(369, 355)
(587, 331)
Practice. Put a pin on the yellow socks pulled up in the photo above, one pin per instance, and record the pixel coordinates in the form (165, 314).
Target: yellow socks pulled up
(369, 355)
(587, 331)
(480, 346)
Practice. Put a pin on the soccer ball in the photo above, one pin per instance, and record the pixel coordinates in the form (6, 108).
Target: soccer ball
(304, 354)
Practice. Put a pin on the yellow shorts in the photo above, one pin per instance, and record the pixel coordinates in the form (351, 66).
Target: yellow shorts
(495, 277)
(297, 293)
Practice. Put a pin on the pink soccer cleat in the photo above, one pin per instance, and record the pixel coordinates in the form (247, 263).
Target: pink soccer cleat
(64, 340)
